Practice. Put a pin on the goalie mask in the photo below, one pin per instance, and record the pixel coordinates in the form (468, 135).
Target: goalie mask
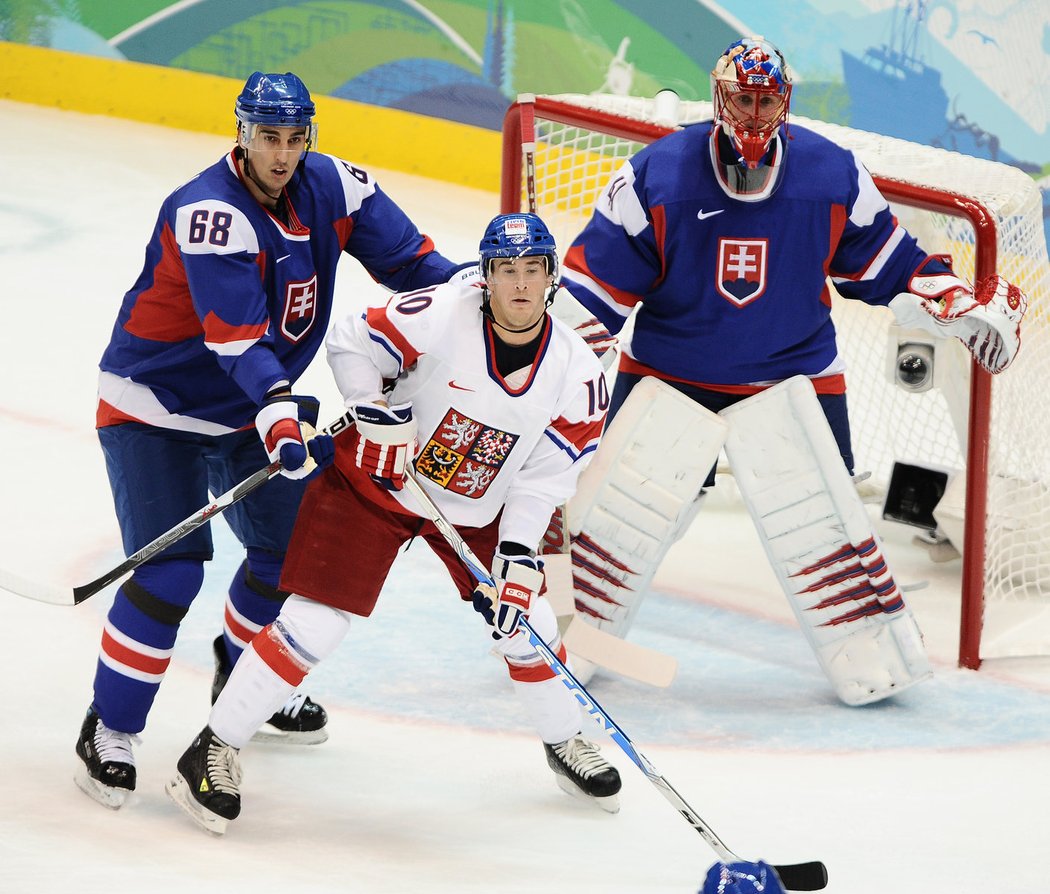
(751, 92)
(277, 100)
(517, 236)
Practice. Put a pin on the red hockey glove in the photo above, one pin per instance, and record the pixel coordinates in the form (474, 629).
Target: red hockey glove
(386, 442)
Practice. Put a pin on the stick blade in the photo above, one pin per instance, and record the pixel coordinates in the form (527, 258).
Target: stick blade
(812, 876)
(85, 592)
(29, 589)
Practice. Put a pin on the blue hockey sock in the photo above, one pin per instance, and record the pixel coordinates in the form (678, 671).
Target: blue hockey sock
(253, 600)
(138, 639)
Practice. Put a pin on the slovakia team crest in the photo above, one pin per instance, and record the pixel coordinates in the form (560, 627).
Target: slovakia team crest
(300, 309)
(464, 456)
(742, 269)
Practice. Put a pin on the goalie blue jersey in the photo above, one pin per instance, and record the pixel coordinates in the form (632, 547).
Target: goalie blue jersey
(731, 292)
(232, 300)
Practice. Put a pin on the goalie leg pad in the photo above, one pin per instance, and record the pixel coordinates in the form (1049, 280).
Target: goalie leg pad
(821, 544)
(634, 497)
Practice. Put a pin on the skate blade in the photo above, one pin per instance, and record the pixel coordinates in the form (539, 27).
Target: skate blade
(273, 735)
(179, 792)
(610, 803)
(106, 795)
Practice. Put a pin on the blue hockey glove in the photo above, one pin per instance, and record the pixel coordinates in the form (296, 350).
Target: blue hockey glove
(286, 426)
(386, 442)
(518, 577)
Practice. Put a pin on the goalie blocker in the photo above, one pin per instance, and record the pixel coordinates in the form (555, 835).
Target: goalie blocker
(643, 488)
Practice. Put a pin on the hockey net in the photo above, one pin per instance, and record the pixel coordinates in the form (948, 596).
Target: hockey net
(991, 433)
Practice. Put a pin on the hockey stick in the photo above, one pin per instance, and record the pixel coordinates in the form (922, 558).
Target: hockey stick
(219, 505)
(51, 595)
(812, 876)
(590, 644)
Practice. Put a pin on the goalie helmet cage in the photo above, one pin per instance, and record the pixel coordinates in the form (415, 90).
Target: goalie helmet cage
(558, 154)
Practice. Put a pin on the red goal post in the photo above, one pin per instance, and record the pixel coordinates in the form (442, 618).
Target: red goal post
(558, 153)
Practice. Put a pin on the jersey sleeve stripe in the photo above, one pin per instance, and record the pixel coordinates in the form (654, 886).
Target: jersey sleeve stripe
(875, 266)
(384, 332)
(229, 340)
(575, 438)
(577, 271)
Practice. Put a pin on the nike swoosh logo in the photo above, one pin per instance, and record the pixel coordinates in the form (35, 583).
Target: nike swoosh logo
(452, 384)
(282, 258)
(704, 215)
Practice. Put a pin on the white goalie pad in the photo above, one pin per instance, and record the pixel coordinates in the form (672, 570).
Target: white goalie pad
(821, 544)
(636, 494)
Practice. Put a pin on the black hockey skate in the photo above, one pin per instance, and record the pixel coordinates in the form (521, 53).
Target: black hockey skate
(206, 785)
(581, 771)
(106, 771)
(300, 722)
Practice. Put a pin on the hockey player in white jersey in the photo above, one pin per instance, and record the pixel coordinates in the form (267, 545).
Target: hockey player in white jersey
(501, 406)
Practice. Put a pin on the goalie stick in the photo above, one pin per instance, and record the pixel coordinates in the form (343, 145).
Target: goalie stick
(811, 876)
(220, 504)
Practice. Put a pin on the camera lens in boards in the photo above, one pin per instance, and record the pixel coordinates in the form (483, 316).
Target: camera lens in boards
(915, 367)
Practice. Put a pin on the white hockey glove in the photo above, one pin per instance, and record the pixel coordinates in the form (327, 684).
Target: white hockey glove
(386, 442)
(518, 579)
(986, 319)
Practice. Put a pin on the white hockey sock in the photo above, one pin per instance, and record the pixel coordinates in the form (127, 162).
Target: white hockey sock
(273, 665)
(250, 697)
(553, 710)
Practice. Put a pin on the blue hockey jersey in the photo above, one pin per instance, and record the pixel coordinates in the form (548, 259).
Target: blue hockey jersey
(732, 292)
(232, 300)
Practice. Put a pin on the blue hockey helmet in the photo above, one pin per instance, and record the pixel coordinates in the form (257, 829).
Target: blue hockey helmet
(751, 92)
(279, 100)
(516, 236)
(742, 878)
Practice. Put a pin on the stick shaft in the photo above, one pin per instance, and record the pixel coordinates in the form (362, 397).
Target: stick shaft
(219, 505)
(810, 876)
(216, 507)
(589, 703)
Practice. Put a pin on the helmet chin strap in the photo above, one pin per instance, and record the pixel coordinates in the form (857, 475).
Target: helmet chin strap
(486, 310)
(255, 180)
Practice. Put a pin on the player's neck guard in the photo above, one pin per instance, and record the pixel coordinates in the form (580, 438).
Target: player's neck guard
(737, 180)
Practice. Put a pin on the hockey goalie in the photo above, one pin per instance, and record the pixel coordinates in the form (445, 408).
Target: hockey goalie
(718, 241)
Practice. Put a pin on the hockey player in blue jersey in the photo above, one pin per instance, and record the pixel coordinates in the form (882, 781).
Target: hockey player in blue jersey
(195, 394)
(724, 234)
(719, 240)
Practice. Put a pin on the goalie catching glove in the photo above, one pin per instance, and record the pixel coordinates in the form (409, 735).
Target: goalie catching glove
(519, 577)
(986, 319)
(286, 426)
(386, 442)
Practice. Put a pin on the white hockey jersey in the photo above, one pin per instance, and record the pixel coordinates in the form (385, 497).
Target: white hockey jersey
(485, 442)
